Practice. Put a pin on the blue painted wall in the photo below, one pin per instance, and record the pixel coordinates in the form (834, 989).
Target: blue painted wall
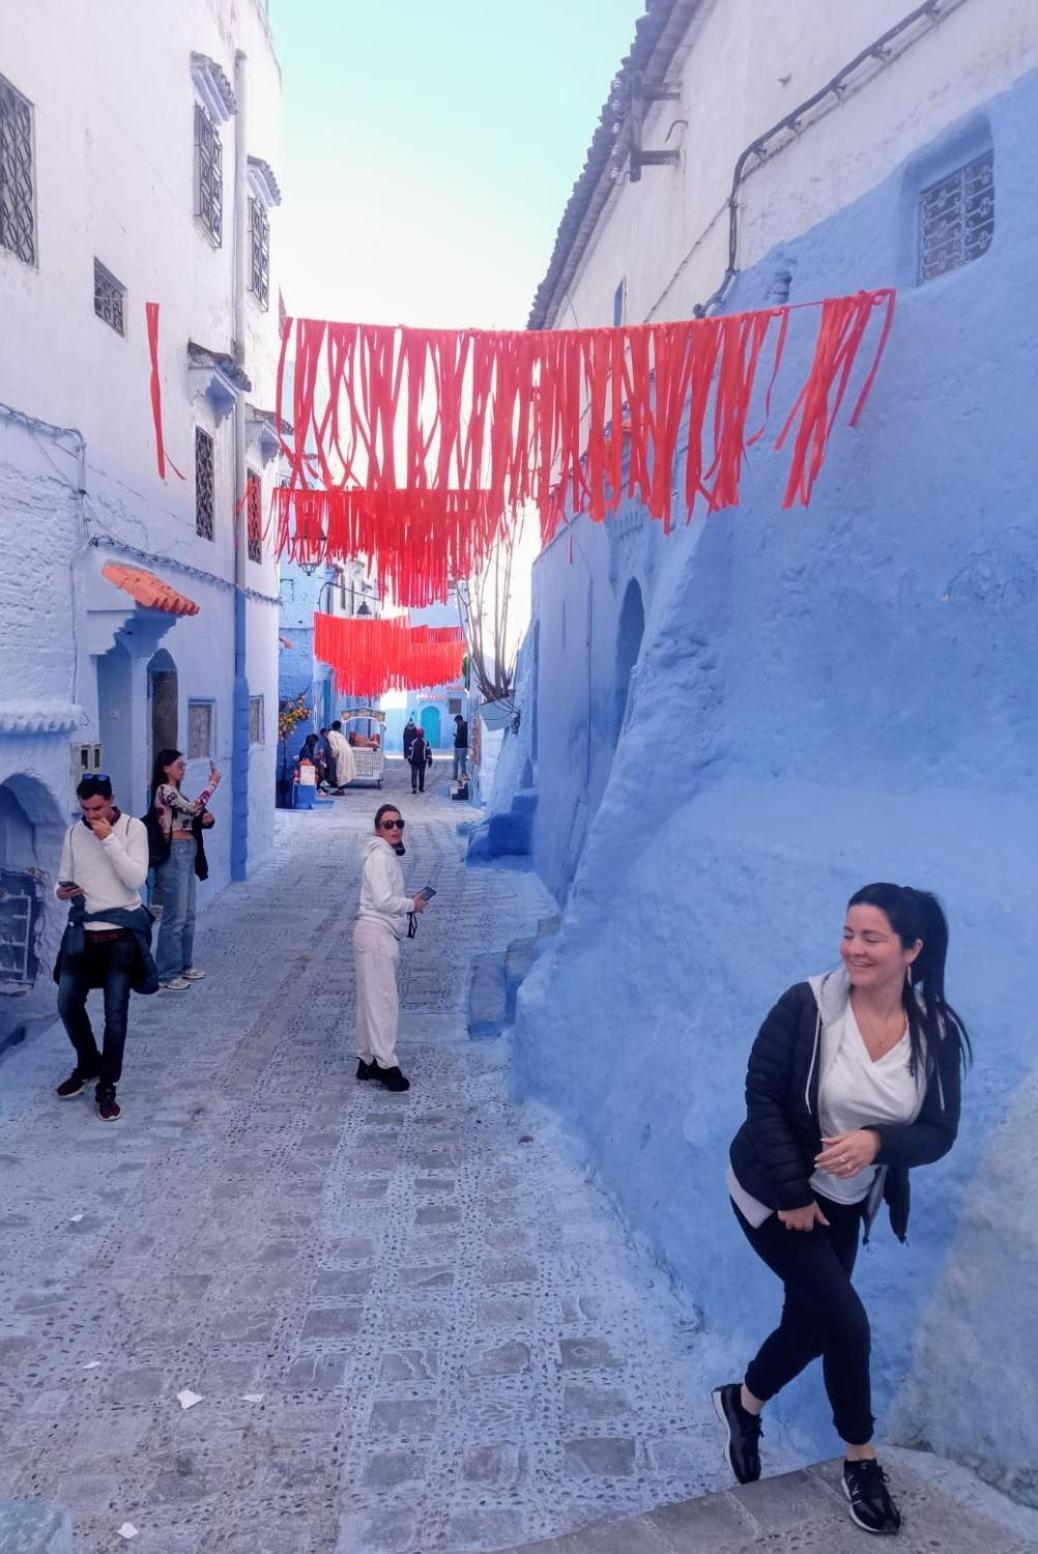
(821, 698)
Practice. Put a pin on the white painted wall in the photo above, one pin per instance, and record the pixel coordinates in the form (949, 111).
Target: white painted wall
(667, 235)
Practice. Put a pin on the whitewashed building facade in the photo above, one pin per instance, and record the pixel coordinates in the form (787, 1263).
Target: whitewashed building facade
(137, 157)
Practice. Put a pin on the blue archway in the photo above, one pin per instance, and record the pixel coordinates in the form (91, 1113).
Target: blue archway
(431, 725)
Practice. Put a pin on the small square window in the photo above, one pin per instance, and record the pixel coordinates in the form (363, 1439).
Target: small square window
(957, 218)
(254, 515)
(208, 176)
(203, 484)
(255, 720)
(200, 730)
(259, 267)
(109, 298)
(17, 186)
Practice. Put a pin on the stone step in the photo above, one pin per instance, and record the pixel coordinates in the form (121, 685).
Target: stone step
(488, 997)
(34, 1527)
(945, 1509)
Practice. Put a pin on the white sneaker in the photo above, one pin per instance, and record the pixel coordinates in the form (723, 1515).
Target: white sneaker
(174, 985)
(192, 974)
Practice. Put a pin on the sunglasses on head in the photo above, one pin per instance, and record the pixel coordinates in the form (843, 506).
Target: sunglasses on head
(392, 825)
(94, 779)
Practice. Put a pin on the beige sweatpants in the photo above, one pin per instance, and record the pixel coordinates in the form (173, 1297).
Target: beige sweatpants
(376, 950)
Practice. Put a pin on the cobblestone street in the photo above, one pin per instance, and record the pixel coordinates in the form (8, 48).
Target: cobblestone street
(413, 1325)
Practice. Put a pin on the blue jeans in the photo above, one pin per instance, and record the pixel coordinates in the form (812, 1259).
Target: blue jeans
(176, 944)
(461, 761)
(107, 965)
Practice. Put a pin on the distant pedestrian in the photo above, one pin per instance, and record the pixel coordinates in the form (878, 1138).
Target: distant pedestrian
(343, 760)
(383, 919)
(311, 752)
(326, 760)
(420, 758)
(107, 943)
(853, 1079)
(176, 824)
(461, 748)
(410, 734)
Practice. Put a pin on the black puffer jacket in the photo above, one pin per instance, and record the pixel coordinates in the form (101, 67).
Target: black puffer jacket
(773, 1152)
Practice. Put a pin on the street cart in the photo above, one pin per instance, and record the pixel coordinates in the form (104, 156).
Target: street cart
(365, 728)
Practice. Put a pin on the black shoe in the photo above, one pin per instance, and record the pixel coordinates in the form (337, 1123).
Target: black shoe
(390, 1078)
(865, 1485)
(742, 1430)
(74, 1085)
(365, 1070)
(108, 1108)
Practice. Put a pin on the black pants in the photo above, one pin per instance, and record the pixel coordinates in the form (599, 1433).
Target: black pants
(822, 1315)
(107, 965)
(418, 777)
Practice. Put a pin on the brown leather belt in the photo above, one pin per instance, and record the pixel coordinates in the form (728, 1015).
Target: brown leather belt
(105, 935)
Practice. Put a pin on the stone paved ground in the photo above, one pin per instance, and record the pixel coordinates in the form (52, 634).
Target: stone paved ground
(413, 1325)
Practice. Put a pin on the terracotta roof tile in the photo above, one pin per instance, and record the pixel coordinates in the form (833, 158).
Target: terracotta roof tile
(149, 590)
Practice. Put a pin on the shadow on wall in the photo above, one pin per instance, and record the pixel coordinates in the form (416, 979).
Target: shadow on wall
(31, 832)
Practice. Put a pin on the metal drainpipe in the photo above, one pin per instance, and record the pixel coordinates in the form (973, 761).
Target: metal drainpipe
(240, 722)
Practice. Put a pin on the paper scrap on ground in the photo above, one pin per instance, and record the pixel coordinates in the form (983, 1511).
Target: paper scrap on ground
(188, 1399)
(74, 1219)
(252, 1397)
(92, 1365)
(127, 1530)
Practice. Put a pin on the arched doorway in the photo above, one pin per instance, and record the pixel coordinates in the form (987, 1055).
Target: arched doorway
(628, 645)
(431, 725)
(163, 705)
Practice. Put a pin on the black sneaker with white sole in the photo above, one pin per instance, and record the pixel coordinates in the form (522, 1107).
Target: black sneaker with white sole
(742, 1433)
(871, 1507)
(74, 1085)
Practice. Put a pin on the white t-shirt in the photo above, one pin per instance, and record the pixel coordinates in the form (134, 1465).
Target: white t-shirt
(853, 1092)
(111, 872)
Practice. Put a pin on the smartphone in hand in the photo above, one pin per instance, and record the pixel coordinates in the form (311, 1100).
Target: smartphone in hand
(427, 894)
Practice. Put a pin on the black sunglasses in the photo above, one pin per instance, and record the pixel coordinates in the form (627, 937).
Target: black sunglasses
(393, 825)
(94, 779)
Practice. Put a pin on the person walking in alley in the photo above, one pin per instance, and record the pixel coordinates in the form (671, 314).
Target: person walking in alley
(461, 747)
(107, 942)
(410, 734)
(854, 1078)
(383, 919)
(420, 758)
(344, 763)
(175, 824)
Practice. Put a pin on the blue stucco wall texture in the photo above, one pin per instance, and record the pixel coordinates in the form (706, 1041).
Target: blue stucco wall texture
(821, 698)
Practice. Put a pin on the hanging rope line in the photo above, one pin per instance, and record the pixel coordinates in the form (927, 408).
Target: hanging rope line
(370, 657)
(414, 446)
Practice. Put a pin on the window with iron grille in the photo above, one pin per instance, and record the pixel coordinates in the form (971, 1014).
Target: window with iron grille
(957, 218)
(109, 297)
(259, 281)
(200, 730)
(203, 484)
(254, 516)
(208, 176)
(17, 194)
(255, 720)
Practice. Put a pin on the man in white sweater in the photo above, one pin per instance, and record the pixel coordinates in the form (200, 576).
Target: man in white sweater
(382, 921)
(104, 864)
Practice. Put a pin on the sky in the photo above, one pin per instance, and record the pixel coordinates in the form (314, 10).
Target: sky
(429, 150)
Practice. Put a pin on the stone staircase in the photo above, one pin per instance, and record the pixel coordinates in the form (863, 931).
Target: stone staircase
(495, 981)
(946, 1510)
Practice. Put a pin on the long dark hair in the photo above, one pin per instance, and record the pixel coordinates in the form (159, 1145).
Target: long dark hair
(163, 759)
(914, 915)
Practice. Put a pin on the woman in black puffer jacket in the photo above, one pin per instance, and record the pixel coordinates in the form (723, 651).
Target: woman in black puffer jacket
(853, 1079)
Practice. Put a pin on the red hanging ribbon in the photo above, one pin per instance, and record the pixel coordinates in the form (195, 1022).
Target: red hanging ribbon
(370, 657)
(162, 458)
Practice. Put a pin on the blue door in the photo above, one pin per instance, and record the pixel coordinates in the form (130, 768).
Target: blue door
(431, 725)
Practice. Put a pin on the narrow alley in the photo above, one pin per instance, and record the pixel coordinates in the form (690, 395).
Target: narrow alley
(411, 1322)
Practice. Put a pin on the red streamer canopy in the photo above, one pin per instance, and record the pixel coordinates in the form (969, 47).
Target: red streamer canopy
(423, 442)
(371, 656)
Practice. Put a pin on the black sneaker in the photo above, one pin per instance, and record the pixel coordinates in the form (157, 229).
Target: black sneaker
(108, 1108)
(865, 1485)
(742, 1431)
(74, 1085)
(365, 1070)
(390, 1078)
